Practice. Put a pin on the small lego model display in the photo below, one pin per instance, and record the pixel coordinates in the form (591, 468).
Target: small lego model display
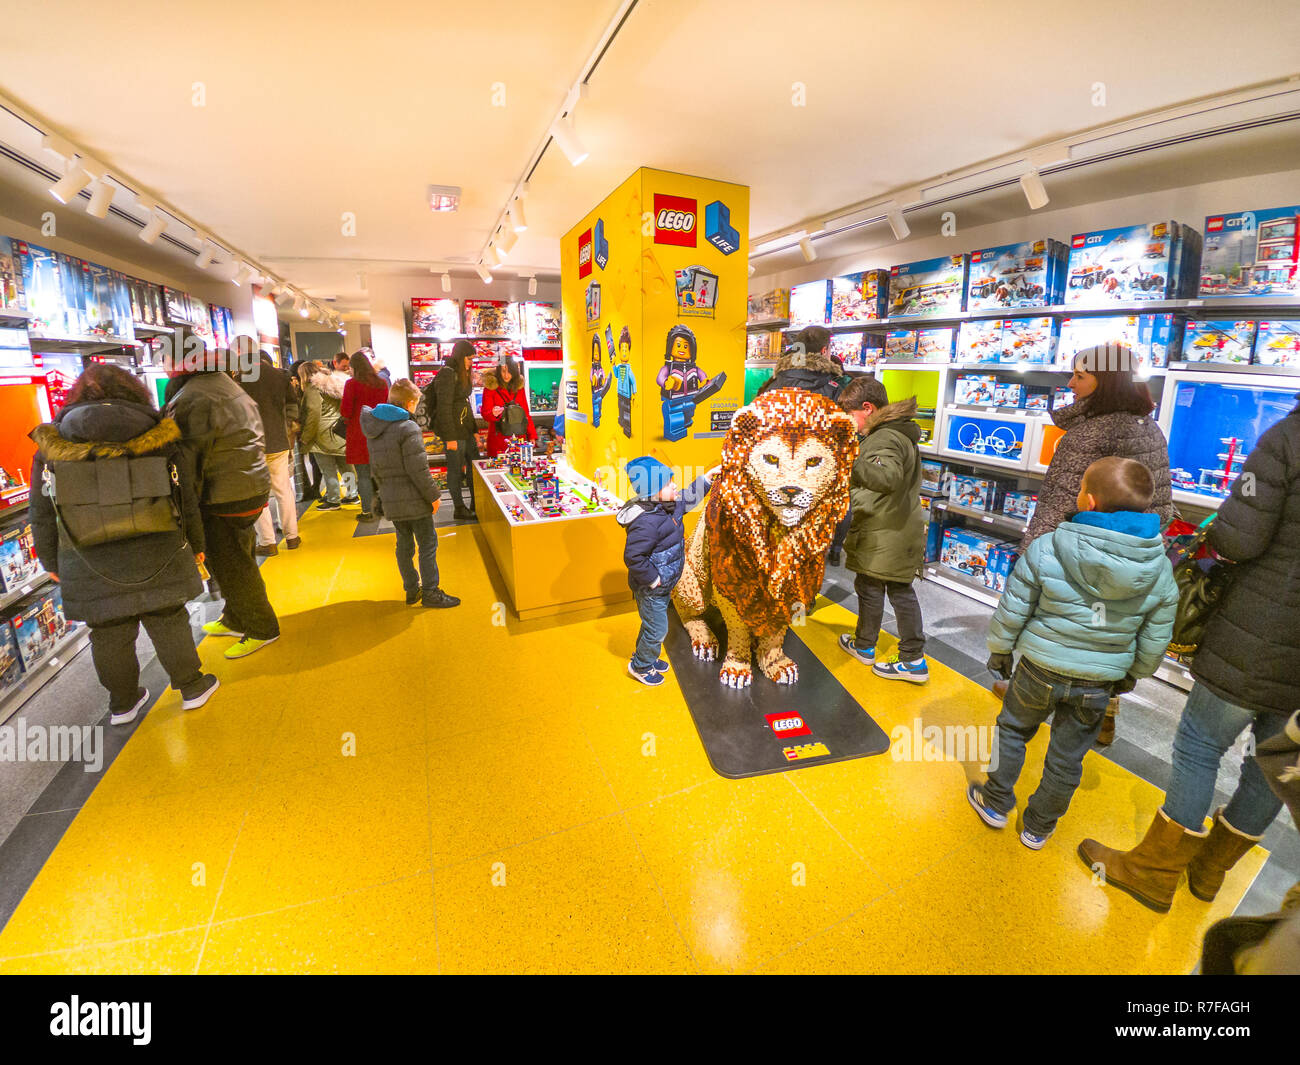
(1008, 394)
(980, 340)
(967, 552)
(1030, 340)
(979, 493)
(770, 306)
(859, 297)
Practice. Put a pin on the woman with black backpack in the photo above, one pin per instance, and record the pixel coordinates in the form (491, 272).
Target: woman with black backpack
(116, 522)
(505, 408)
(453, 420)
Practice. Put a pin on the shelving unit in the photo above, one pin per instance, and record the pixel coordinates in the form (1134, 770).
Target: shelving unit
(45, 670)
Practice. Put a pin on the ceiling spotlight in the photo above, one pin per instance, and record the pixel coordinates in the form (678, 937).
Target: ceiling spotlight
(1032, 185)
(563, 134)
(507, 241)
(484, 274)
(153, 229)
(446, 282)
(897, 222)
(517, 219)
(809, 252)
(101, 199)
(532, 286)
(298, 304)
(285, 294)
(73, 181)
(242, 274)
(207, 254)
(498, 256)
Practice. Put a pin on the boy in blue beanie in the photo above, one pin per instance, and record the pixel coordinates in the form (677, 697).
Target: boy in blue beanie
(655, 554)
(1090, 607)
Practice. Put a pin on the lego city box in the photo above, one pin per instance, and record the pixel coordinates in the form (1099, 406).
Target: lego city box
(1016, 275)
(1218, 340)
(38, 624)
(859, 297)
(966, 551)
(1131, 264)
(1277, 343)
(770, 306)
(1252, 253)
(18, 561)
(659, 356)
(1032, 340)
(928, 288)
(980, 340)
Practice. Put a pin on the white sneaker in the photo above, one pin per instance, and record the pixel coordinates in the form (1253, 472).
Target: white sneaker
(125, 717)
(195, 701)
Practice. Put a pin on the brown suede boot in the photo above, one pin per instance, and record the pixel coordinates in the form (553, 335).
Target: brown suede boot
(1150, 871)
(1223, 849)
(1107, 734)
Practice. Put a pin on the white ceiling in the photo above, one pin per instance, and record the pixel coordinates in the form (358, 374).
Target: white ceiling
(312, 111)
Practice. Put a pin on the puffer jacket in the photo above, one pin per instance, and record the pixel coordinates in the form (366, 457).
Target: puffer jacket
(886, 538)
(1086, 439)
(656, 540)
(1250, 653)
(496, 395)
(398, 462)
(320, 415)
(123, 578)
(272, 390)
(355, 397)
(453, 418)
(813, 372)
(222, 445)
(1094, 599)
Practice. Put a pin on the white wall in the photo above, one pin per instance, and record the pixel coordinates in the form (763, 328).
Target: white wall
(1190, 204)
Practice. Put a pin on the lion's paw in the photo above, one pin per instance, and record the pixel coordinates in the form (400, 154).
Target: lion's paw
(782, 671)
(736, 674)
(705, 650)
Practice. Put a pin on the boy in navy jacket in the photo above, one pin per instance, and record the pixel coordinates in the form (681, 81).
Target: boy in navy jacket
(655, 554)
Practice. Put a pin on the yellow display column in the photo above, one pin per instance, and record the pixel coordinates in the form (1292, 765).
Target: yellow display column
(654, 283)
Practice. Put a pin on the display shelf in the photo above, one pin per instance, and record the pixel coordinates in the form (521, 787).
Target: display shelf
(957, 581)
(541, 347)
(990, 518)
(14, 314)
(156, 330)
(8, 598)
(44, 671)
(1011, 412)
(1235, 367)
(767, 324)
(8, 509)
(81, 344)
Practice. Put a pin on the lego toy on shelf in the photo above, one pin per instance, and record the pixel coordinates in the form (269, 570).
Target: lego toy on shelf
(968, 552)
(978, 493)
(38, 624)
(936, 345)
(1032, 340)
(424, 352)
(540, 323)
(1030, 274)
(859, 297)
(810, 304)
(900, 345)
(1252, 253)
(931, 475)
(763, 346)
(531, 487)
(18, 562)
(929, 288)
(980, 340)
(1020, 505)
(1215, 340)
(1151, 337)
(11, 668)
(435, 317)
(974, 389)
(1156, 261)
(11, 277)
(771, 306)
(491, 318)
(852, 350)
(1277, 343)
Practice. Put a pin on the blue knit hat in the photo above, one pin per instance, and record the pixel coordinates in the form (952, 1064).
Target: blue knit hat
(647, 476)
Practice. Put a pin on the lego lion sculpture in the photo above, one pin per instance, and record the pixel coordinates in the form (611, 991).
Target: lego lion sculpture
(759, 553)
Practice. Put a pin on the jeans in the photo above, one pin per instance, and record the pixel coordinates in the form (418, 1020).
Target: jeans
(1206, 731)
(282, 493)
(365, 486)
(233, 565)
(458, 470)
(112, 647)
(652, 605)
(409, 534)
(1034, 695)
(332, 471)
(907, 612)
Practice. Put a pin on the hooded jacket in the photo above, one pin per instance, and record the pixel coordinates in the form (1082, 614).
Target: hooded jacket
(271, 389)
(1094, 599)
(1250, 653)
(1088, 438)
(656, 540)
(497, 395)
(398, 462)
(812, 371)
(320, 414)
(123, 578)
(886, 538)
(222, 446)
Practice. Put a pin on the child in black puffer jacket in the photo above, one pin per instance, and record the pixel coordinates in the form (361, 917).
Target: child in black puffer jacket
(655, 555)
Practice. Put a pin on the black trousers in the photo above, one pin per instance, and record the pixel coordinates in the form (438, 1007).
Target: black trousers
(907, 612)
(112, 647)
(458, 470)
(233, 564)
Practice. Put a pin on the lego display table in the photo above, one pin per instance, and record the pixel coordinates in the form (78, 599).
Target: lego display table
(556, 553)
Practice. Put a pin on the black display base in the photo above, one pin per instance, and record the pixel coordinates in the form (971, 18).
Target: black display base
(733, 722)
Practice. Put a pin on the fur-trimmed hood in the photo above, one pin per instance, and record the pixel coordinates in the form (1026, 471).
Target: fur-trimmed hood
(107, 429)
(901, 411)
(330, 383)
(491, 381)
(812, 362)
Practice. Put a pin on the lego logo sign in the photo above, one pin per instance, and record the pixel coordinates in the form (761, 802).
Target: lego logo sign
(1213, 224)
(1079, 240)
(790, 724)
(584, 254)
(675, 220)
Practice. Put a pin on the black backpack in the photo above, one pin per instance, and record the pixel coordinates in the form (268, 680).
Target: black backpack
(427, 413)
(513, 420)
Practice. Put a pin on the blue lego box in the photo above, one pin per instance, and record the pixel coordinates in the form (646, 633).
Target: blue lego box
(1078, 334)
(1218, 340)
(1277, 343)
(1160, 338)
(900, 344)
(1016, 504)
(992, 438)
(1008, 394)
(981, 493)
(18, 561)
(967, 552)
(1016, 275)
(859, 297)
(1038, 400)
(1032, 340)
(980, 340)
(936, 345)
(1252, 253)
(928, 288)
(974, 388)
(1002, 560)
(810, 304)
(931, 475)
(38, 625)
(718, 229)
(11, 667)
(1131, 263)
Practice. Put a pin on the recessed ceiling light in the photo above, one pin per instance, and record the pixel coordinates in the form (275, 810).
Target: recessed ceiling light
(444, 197)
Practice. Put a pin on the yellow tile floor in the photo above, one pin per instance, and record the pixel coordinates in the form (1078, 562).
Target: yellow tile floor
(392, 789)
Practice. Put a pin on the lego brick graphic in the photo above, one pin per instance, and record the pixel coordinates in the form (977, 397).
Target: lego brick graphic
(718, 229)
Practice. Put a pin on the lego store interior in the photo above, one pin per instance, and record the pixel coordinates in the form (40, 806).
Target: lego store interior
(739, 677)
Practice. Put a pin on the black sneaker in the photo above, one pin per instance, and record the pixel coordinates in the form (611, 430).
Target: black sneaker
(351, 500)
(366, 516)
(195, 695)
(327, 505)
(834, 557)
(439, 599)
(413, 597)
(125, 717)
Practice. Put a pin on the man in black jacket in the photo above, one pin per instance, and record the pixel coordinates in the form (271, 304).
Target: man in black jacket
(223, 452)
(272, 390)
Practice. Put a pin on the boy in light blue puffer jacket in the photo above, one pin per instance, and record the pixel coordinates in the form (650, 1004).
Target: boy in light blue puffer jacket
(1090, 607)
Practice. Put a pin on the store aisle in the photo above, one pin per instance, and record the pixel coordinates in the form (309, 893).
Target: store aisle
(395, 789)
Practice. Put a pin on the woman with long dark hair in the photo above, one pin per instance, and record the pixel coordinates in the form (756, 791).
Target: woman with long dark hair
(364, 389)
(121, 565)
(454, 422)
(501, 389)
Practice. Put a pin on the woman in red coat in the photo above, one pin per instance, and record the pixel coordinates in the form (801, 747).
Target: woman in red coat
(504, 386)
(365, 388)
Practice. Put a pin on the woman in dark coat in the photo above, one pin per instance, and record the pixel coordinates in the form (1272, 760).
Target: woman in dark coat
(119, 584)
(364, 389)
(1247, 674)
(454, 422)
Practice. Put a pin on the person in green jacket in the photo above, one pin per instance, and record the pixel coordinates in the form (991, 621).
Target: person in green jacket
(1090, 607)
(886, 541)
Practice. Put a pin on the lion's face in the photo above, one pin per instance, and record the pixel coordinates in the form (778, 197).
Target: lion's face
(791, 478)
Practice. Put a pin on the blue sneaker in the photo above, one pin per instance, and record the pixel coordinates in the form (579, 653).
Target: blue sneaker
(975, 796)
(649, 677)
(661, 665)
(892, 669)
(863, 654)
(1033, 840)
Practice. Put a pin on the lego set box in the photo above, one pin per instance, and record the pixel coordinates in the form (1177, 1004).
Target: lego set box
(18, 561)
(1153, 338)
(859, 297)
(38, 624)
(1277, 343)
(1252, 253)
(540, 323)
(1155, 261)
(1218, 341)
(491, 318)
(770, 306)
(929, 288)
(1030, 274)
(435, 317)
(810, 304)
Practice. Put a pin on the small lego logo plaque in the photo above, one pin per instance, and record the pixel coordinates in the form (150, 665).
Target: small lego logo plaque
(805, 750)
(790, 724)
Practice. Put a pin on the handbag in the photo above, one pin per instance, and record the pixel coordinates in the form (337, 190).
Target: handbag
(1202, 583)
